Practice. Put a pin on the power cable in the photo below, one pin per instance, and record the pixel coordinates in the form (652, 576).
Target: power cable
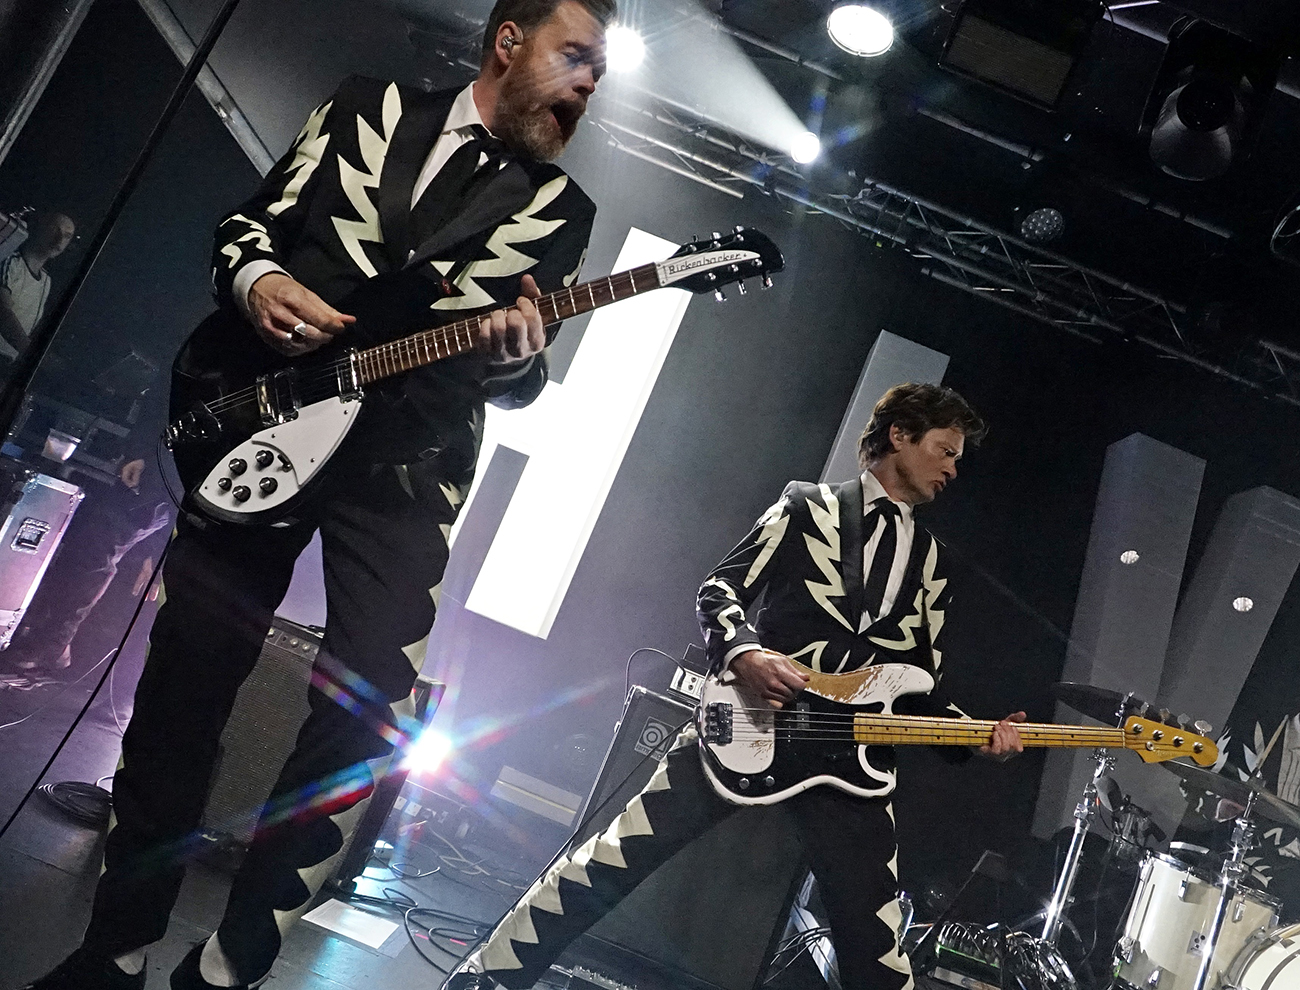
(627, 672)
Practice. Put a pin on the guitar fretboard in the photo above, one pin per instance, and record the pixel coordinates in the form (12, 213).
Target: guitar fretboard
(428, 346)
(886, 730)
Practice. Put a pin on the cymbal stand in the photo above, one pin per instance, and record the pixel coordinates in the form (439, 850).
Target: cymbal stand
(1234, 868)
(1084, 813)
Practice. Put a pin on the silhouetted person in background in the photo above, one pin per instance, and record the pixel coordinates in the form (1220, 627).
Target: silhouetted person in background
(25, 284)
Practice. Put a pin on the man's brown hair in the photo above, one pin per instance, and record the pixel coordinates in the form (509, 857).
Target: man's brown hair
(528, 14)
(917, 408)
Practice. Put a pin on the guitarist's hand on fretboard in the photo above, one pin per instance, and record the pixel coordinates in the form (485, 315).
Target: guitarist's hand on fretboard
(290, 317)
(1006, 741)
(513, 334)
(768, 675)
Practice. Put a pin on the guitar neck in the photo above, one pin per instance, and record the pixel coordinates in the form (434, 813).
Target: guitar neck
(907, 730)
(428, 346)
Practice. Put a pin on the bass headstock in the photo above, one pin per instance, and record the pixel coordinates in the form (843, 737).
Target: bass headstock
(721, 260)
(1156, 742)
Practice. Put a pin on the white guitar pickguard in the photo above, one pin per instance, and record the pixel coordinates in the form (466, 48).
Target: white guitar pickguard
(298, 448)
(754, 733)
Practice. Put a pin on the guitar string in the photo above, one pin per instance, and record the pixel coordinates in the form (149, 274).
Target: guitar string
(902, 719)
(372, 360)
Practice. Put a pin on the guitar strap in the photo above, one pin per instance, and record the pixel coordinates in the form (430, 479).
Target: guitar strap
(851, 543)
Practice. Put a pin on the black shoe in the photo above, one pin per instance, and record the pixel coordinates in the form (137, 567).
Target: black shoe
(186, 975)
(84, 970)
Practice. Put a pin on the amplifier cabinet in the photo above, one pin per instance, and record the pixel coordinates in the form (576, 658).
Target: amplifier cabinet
(712, 915)
(269, 711)
(37, 510)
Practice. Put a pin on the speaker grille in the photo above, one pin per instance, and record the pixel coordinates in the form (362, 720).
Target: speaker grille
(269, 711)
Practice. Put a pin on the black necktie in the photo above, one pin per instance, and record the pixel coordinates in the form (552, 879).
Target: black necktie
(883, 561)
(448, 190)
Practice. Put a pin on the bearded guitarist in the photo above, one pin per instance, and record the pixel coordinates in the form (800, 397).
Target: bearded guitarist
(850, 581)
(455, 190)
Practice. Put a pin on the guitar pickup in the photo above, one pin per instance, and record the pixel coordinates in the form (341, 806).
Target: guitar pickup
(277, 397)
(718, 723)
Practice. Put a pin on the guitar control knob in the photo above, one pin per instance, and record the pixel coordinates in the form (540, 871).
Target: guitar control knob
(268, 486)
(264, 459)
(223, 484)
(237, 466)
(242, 494)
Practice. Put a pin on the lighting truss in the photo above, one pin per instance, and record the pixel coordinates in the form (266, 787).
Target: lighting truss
(955, 250)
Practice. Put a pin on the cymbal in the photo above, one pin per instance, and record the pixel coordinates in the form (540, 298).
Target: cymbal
(1095, 702)
(1238, 792)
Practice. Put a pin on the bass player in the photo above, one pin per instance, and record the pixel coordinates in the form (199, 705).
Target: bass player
(882, 600)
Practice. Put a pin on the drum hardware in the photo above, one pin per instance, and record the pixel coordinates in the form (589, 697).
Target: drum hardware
(1234, 869)
(1084, 813)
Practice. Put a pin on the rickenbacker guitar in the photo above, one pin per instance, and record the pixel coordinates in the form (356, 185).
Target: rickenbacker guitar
(257, 430)
(754, 754)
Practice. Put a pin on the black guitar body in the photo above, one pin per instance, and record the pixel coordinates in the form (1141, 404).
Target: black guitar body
(224, 357)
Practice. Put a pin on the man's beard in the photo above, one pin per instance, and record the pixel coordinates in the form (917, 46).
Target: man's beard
(524, 120)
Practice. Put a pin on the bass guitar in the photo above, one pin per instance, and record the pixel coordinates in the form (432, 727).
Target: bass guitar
(755, 754)
(256, 433)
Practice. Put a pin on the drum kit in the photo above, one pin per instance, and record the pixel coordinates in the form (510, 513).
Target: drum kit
(1197, 920)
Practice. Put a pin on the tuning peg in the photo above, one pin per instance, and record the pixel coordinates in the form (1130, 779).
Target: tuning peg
(1163, 715)
(767, 281)
(1184, 720)
(740, 287)
(716, 235)
(1203, 727)
(738, 229)
(718, 295)
(1143, 708)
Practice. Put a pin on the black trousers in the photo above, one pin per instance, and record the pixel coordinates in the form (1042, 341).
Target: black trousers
(384, 545)
(849, 842)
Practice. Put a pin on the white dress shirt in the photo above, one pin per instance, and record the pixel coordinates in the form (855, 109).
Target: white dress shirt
(872, 490)
(456, 130)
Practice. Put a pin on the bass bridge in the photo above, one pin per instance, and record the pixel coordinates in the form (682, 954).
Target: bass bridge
(716, 723)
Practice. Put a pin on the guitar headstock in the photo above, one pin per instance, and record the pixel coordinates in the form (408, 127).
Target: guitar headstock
(723, 259)
(1156, 742)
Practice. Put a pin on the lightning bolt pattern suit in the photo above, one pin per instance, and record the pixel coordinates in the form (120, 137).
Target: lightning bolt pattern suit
(335, 212)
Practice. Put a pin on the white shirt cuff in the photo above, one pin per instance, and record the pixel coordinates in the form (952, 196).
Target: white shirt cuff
(736, 651)
(244, 279)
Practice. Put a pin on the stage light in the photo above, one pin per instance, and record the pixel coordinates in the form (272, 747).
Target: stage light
(1042, 225)
(624, 49)
(428, 752)
(1206, 105)
(805, 148)
(860, 30)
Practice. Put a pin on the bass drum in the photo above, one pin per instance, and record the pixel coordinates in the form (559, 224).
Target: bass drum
(1168, 923)
(1268, 962)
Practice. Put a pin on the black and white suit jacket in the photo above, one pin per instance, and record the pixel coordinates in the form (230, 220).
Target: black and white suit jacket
(336, 211)
(805, 553)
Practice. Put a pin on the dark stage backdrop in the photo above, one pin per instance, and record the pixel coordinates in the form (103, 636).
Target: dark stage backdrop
(750, 396)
